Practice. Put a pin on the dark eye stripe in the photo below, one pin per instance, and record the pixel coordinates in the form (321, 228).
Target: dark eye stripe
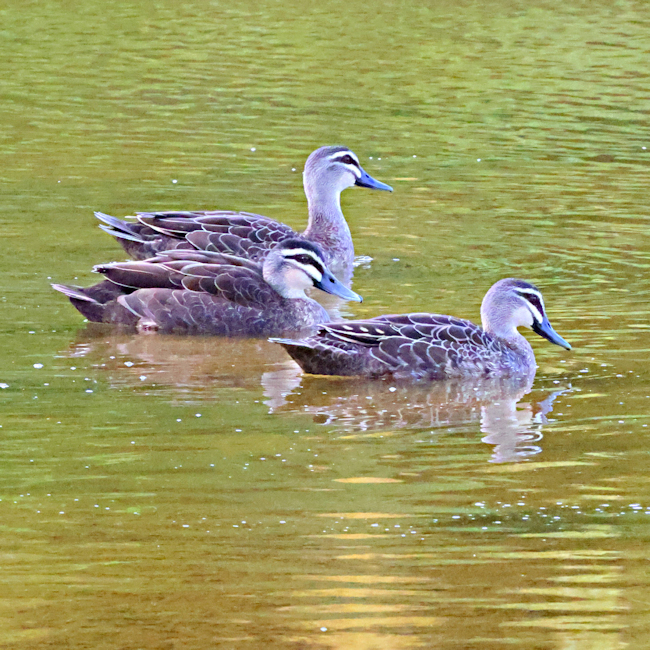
(308, 260)
(534, 301)
(347, 159)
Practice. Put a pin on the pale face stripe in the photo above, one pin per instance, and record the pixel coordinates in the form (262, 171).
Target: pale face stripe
(539, 317)
(338, 157)
(315, 270)
(310, 270)
(291, 252)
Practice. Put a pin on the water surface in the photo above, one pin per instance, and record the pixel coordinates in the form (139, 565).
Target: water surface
(165, 492)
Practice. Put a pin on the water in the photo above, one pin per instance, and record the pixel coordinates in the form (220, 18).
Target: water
(162, 492)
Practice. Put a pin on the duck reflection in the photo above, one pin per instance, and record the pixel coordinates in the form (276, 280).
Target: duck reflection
(512, 426)
(515, 427)
(195, 366)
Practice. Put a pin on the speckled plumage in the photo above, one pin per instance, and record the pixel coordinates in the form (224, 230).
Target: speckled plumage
(198, 292)
(425, 346)
(245, 234)
(220, 231)
(429, 346)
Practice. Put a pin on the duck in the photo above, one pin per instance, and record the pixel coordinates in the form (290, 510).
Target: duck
(203, 292)
(328, 171)
(433, 346)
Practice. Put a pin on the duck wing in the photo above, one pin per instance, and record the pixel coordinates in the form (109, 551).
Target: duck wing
(414, 327)
(237, 233)
(240, 233)
(164, 271)
(238, 285)
(423, 345)
(234, 279)
(221, 299)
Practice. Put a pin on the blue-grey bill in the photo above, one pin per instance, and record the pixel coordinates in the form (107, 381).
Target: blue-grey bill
(545, 330)
(366, 180)
(330, 284)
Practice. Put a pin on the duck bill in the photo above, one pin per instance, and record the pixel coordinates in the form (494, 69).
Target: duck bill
(546, 331)
(329, 284)
(366, 180)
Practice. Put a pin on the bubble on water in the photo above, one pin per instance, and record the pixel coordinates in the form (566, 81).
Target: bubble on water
(38, 366)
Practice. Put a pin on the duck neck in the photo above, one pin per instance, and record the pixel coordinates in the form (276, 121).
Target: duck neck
(305, 312)
(327, 225)
(514, 340)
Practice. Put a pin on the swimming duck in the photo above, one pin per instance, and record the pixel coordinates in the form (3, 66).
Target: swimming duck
(199, 292)
(432, 346)
(328, 171)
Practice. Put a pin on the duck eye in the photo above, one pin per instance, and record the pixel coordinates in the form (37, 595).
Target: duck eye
(348, 160)
(534, 301)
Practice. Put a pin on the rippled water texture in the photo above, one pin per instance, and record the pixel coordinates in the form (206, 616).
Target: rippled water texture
(161, 492)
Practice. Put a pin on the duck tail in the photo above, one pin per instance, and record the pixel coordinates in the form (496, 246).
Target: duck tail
(119, 228)
(316, 358)
(88, 306)
(95, 303)
(299, 350)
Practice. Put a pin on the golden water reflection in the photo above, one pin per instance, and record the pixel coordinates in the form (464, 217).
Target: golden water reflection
(354, 407)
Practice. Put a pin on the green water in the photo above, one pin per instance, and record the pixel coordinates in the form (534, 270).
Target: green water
(163, 492)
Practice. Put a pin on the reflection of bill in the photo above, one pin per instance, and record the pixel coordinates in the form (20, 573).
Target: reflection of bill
(515, 428)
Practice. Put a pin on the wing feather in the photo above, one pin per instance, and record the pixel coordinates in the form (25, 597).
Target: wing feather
(421, 345)
(141, 275)
(240, 233)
